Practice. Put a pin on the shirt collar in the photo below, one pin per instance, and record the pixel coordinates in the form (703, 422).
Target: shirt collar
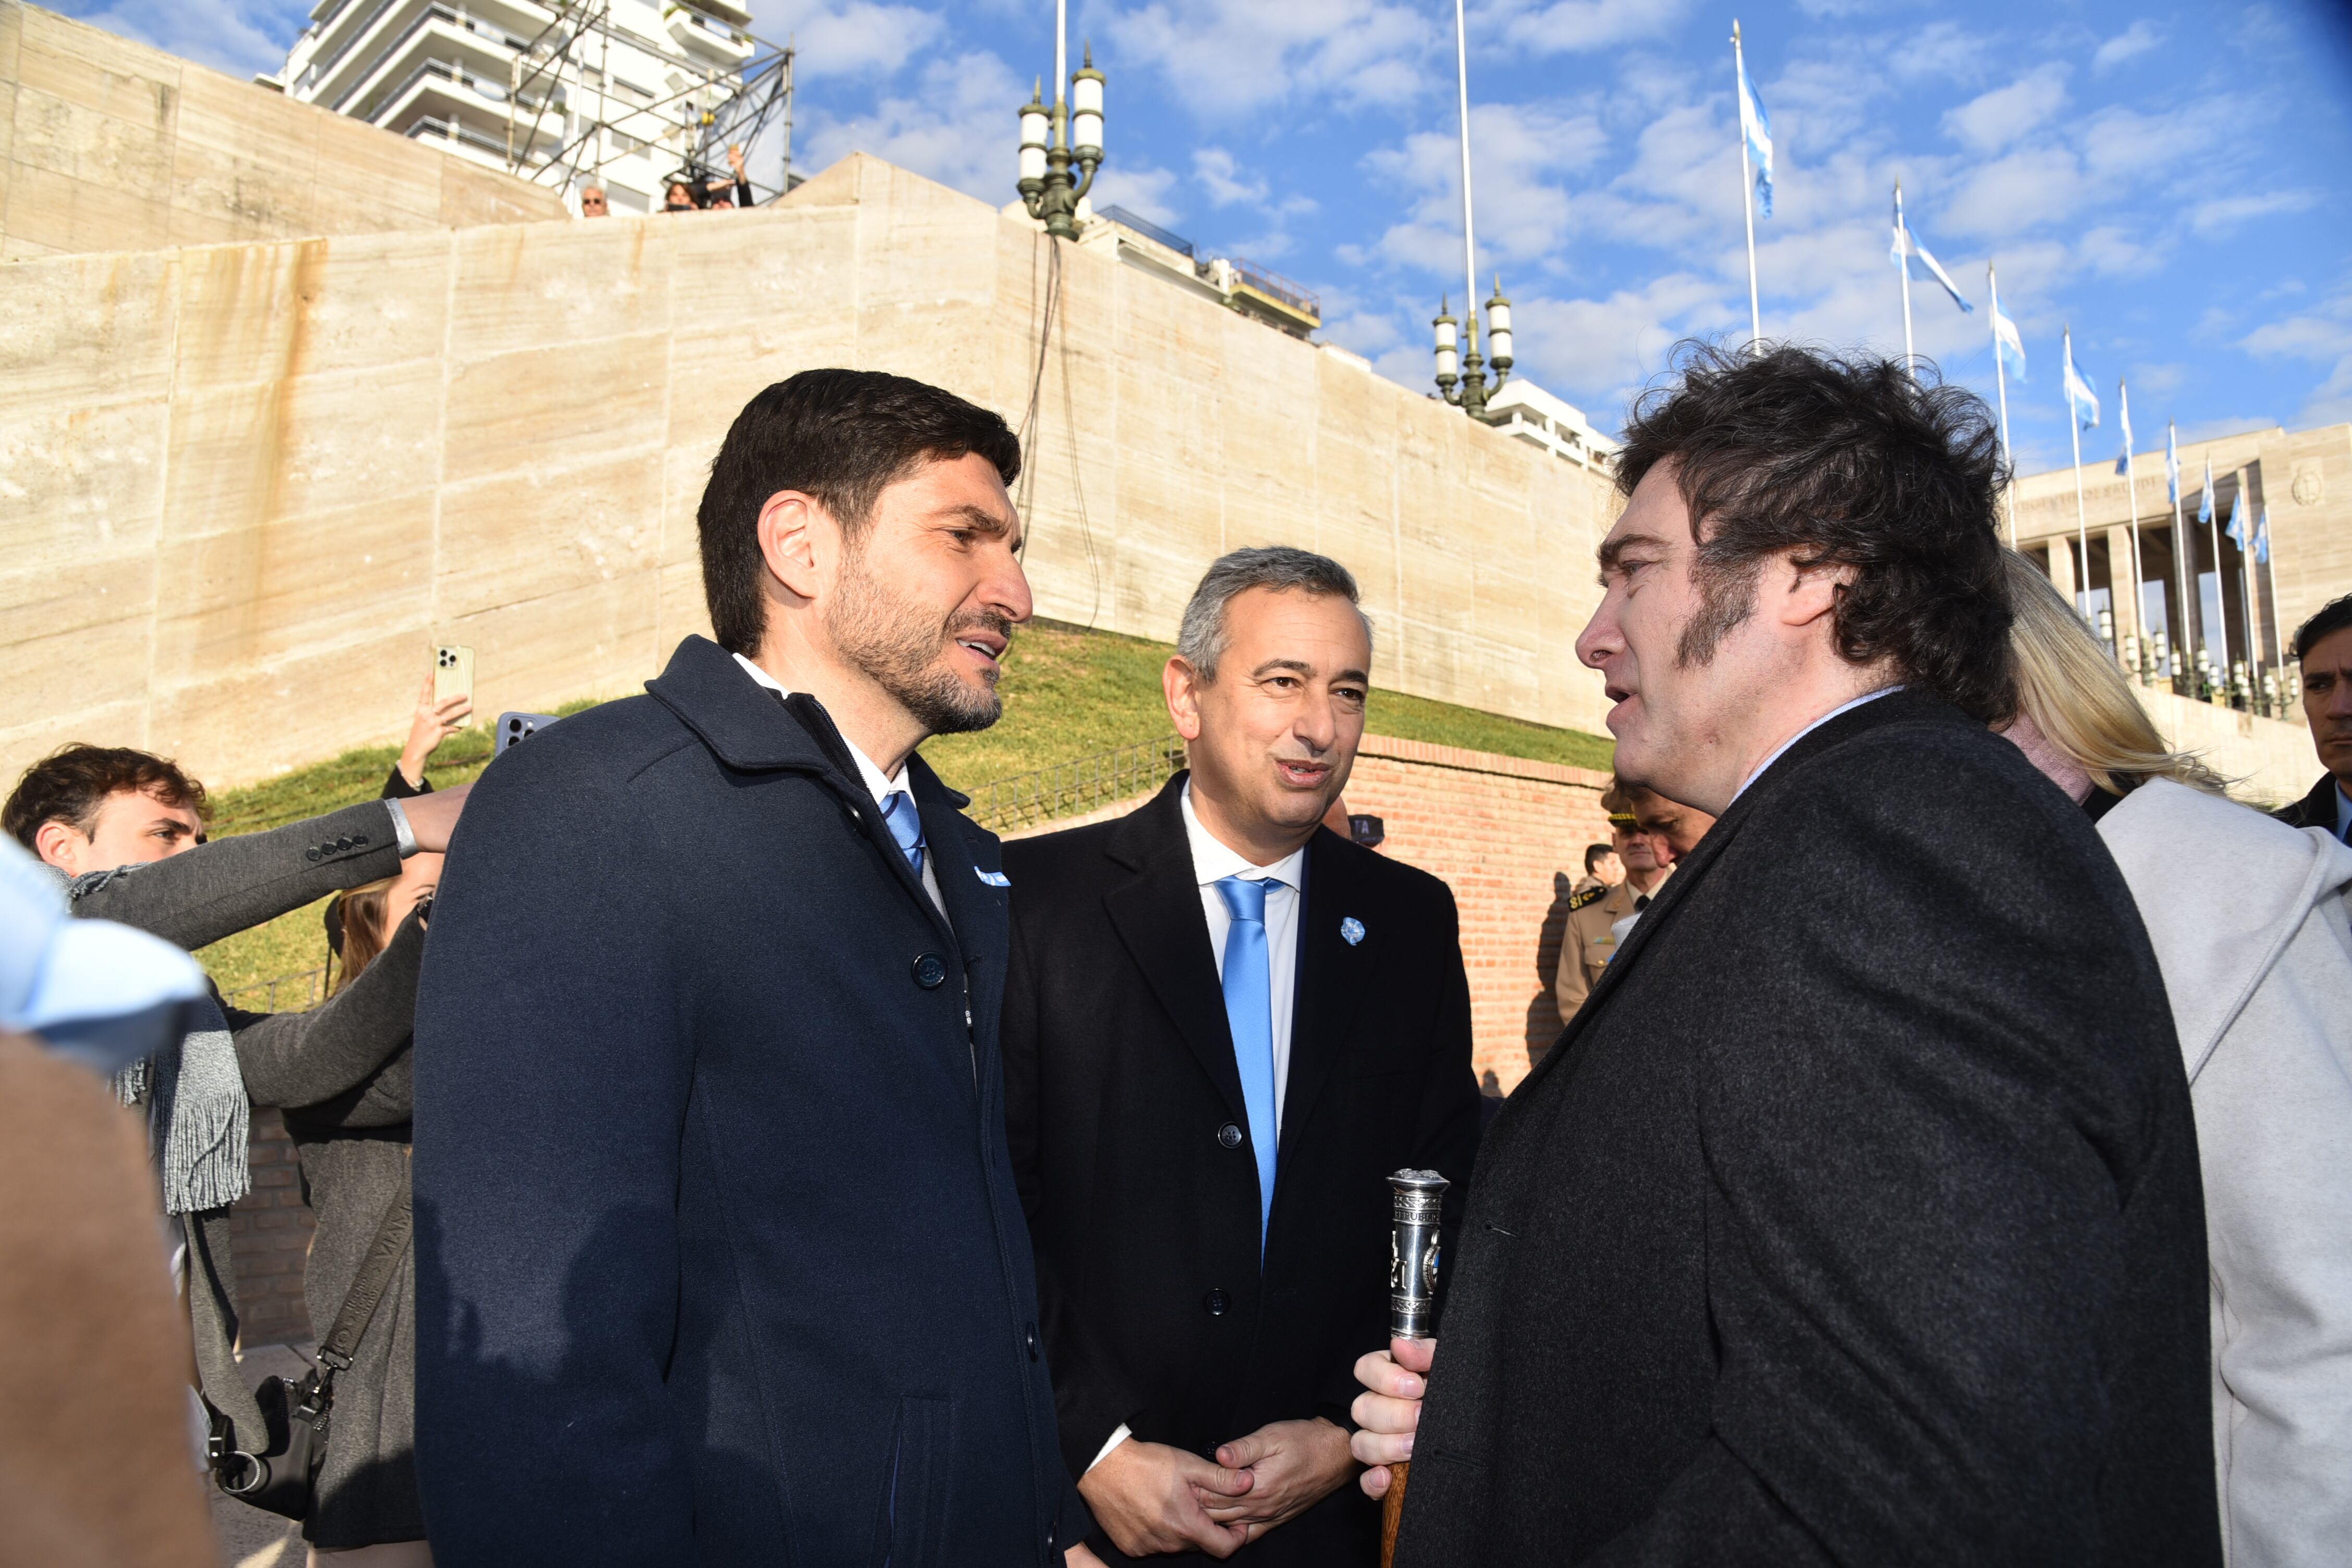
(1213, 862)
(878, 784)
(2343, 813)
(1780, 748)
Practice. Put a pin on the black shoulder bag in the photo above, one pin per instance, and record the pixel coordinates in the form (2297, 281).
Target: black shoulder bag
(283, 1478)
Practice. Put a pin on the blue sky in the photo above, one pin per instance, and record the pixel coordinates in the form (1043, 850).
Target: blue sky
(2169, 180)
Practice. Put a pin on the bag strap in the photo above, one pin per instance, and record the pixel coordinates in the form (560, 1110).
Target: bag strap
(368, 1286)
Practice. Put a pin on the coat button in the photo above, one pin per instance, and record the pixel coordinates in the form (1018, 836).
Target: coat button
(342, 843)
(311, 855)
(1029, 1333)
(1230, 1135)
(359, 839)
(1216, 1301)
(930, 969)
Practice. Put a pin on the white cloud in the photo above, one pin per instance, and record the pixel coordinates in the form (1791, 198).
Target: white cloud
(954, 128)
(1140, 188)
(1942, 49)
(1228, 57)
(861, 38)
(1214, 171)
(2017, 193)
(2223, 214)
(1574, 26)
(2131, 43)
(1992, 121)
(239, 36)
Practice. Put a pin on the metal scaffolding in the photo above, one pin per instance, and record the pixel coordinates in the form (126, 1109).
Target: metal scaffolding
(571, 54)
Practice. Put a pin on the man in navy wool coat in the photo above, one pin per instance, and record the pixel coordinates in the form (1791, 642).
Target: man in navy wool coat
(718, 1255)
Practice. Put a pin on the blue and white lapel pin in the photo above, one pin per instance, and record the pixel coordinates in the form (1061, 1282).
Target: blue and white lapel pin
(993, 879)
(1351, 930)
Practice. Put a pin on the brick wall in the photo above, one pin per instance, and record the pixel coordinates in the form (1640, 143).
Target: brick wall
(1508, 837)
(269, 1234)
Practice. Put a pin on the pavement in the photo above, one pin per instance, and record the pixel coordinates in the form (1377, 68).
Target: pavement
(248, 1537)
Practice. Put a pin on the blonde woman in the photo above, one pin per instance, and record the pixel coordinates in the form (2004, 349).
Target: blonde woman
(2252, 923)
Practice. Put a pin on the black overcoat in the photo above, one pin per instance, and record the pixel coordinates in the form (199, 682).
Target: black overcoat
(1855, 1217)
(718, 1255)
(1120, 1089)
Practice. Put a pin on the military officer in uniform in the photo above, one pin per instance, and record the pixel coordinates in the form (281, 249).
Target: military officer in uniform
(1599, 918)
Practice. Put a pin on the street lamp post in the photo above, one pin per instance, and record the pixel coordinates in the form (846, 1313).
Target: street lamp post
(1051, 140)
(1458, 360)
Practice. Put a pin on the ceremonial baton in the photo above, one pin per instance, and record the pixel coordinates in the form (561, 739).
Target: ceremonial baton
(1412, 1302)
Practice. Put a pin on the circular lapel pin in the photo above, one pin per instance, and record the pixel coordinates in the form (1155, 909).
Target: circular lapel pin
(1351, 930)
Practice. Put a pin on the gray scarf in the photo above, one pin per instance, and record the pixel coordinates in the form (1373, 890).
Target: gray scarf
(198, 1117)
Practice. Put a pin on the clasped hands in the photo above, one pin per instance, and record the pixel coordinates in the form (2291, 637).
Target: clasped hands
(1149, 1498)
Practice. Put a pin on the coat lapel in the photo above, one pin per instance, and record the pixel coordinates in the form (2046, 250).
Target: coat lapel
(1157, 913)
(1333, 976)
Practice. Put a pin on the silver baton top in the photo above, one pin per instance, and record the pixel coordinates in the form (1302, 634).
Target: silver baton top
(1419, 1196)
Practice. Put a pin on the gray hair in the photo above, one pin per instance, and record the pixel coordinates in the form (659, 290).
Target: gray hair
(1200, 639)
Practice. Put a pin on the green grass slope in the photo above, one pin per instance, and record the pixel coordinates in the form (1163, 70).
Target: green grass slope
(1068, 693)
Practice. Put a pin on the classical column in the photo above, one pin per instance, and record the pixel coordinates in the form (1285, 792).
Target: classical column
(2062, 566)
(2123, 594)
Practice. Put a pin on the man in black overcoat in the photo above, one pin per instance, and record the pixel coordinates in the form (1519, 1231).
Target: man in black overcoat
(1855, 1217)
(1227, 1025)
(2323, 651)
(719, 1254)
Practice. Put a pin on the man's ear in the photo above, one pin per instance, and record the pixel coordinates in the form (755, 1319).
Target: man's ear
(794, 531)
(1181, 684)
(1810, 592)
(57, 842)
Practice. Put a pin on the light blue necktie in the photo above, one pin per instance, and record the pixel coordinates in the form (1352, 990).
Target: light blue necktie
(905, 825)
(1249, 1008)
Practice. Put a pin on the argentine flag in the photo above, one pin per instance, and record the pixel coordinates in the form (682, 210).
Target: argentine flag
(2237, 528)
(1756, 126)
(1907, 244)
(2171, 467)
(2079, 395)
(2008, 344)
(2205, 501)
(2123, 417)
(2262, 533)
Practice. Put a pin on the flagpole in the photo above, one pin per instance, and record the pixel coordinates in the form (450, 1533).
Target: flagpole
(2213, 537)
(1904, 233)
(1469, 240)
(2082, 516)
(2000, 379)
(1747, 185)
(2179, 537)
(2131, 505)
(2246, 595)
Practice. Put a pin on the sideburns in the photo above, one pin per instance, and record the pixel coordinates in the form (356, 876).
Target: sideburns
(1727, 596)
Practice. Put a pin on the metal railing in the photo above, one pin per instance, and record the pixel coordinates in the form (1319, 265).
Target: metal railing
(287, 993)
(1080, 785)
(1274, 285)
(1149, 230)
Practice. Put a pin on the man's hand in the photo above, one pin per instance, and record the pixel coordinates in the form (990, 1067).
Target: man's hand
(432, 817)
(434, 723)
(1147, 1497)
(1081, 1556)
(1387, 1416)
(735, 158)
(1295, 1464)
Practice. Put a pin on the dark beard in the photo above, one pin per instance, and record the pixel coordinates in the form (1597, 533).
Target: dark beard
(902, 649)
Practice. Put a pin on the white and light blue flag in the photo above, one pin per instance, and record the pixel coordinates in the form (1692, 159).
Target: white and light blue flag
(2237, 528)
(2008, 344)
(2262, 533)
(2171, 466)
(2205, 501)
(2081, 400)
(1906, 243)
(1755, 127)
(2123, 417)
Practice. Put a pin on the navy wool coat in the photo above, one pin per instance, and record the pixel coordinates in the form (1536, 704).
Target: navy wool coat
(719, 1254)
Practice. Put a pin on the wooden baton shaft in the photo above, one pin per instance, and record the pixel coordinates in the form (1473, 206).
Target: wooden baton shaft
(1392, 1512)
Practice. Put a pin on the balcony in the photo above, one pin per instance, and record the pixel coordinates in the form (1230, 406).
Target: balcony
(1262, 292)
(700, 34)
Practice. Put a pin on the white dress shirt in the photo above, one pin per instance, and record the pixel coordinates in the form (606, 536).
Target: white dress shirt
(879, 784)
(1212, 863)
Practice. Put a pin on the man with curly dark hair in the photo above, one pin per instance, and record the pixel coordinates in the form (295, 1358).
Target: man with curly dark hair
(1856, 1216)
